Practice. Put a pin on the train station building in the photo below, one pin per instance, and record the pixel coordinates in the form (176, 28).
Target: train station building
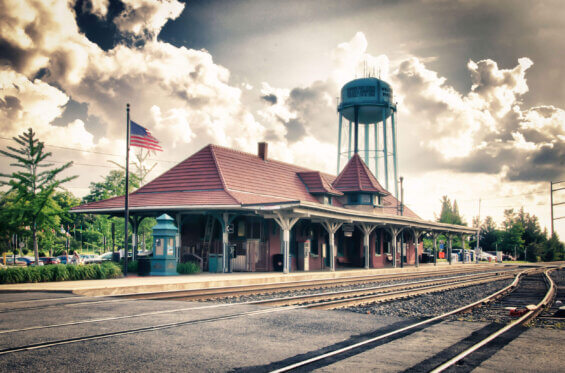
(237, 211)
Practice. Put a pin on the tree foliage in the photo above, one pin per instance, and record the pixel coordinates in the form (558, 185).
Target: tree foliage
(520, 233)
(33, 186)
(450, 212)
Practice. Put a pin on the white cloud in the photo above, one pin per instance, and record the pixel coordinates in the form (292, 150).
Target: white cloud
(146, 18)
(97, 7)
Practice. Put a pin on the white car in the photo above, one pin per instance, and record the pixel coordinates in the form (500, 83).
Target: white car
(486, 256)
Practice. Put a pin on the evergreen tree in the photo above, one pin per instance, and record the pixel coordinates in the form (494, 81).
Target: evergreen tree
(34, 186)
(450, 212)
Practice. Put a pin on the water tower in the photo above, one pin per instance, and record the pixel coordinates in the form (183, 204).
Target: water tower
(366, 104)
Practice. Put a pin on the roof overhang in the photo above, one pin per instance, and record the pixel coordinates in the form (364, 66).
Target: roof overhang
(300, 209)
(325, 212)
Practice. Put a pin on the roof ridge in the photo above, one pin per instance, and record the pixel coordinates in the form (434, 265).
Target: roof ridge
(220, 174)
(166, 171)
(302, 168)
(356, 156)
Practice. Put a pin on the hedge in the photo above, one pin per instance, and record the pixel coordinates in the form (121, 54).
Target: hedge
(59, 272)
(188, 268)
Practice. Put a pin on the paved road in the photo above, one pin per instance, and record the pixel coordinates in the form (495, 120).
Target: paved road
(246, 343)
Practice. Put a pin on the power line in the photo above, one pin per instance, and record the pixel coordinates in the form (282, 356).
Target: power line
(87, 151)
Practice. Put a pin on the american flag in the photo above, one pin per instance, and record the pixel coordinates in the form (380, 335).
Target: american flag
(140, 136)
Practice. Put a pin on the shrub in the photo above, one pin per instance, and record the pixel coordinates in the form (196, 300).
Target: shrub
(59, 272)
(188, 268)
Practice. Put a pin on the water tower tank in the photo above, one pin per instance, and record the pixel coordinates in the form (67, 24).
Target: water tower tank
(368, 103)
(372, 96)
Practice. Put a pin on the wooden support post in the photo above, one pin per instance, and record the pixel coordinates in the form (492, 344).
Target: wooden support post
(285, 223)
(331, 228)
(434, 236)
(461, 236)
(416, 233)
(394, 231)
(449, 246)
(367, 229)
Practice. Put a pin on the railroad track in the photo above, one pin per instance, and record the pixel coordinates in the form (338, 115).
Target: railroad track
(235, 291)
(393, 292)
(310, 362)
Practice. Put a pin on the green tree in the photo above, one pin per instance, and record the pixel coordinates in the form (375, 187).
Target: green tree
(114, 184)
(449, 213)
(491, 237)
(34, 185)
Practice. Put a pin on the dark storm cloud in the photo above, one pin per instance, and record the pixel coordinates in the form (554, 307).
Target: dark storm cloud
(313, 110)
(271, 98)
(11, 105)
(11, 55)
(295, 129)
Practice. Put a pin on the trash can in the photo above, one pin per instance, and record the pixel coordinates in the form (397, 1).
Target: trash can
(143, 266)
(215, 263)
(278, 262)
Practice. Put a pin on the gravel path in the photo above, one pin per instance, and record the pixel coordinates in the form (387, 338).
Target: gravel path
(434, 304)
(382, 283)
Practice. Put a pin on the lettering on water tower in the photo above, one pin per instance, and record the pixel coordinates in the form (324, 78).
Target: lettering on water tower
(363, 91)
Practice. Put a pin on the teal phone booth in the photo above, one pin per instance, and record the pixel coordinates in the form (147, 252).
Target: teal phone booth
(164, 260)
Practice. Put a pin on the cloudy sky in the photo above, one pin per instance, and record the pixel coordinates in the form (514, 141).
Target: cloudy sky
(480, 86)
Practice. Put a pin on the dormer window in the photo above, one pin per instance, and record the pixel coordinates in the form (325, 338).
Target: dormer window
(363, 199)
(326, 200)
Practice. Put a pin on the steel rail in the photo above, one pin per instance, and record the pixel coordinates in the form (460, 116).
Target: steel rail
(38, 346)
(175, 324)
(223, 292)
(525, 318)
(295, 285)
(398, 331)
(183, 309)
(379, 291)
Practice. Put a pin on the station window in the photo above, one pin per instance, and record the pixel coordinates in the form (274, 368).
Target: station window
(241, 228)
(376, 200)
(377, 245)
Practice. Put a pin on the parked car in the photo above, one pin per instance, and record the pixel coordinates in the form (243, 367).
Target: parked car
(90, 258)
(486, 256)
(50, 260)
(31, 261)
(10, 261)
(63, 259)
(107, 256)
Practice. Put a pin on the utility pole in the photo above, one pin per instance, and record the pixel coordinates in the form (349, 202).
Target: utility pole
(551, 190)
(478, 235)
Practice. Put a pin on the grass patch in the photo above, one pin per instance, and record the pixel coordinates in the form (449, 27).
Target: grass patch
(188, 268)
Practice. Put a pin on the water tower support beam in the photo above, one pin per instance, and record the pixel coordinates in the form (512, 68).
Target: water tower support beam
(394, 158)
(385, 150)
(367, 144)
(376, 150)
(356, 113)
(350, 137)
(339, 144)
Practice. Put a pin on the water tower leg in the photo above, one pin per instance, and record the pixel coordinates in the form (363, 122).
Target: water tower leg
(356, 139)
(394, 157)
(377, 150)
(350, 137)
(367, 144)
(385, 149)
(339, 144)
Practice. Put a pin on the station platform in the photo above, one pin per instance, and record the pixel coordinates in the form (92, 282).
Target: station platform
(134, 284)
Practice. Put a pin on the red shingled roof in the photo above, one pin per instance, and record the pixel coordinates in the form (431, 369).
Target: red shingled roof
(317, 183)
(218, 176)
(356, 177)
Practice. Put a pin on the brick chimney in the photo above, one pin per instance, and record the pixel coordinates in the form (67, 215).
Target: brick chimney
(262, 150)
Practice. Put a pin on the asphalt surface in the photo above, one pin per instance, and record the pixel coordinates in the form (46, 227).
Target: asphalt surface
(246, 343)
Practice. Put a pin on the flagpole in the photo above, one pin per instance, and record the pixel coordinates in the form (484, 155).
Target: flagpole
(126, 243)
